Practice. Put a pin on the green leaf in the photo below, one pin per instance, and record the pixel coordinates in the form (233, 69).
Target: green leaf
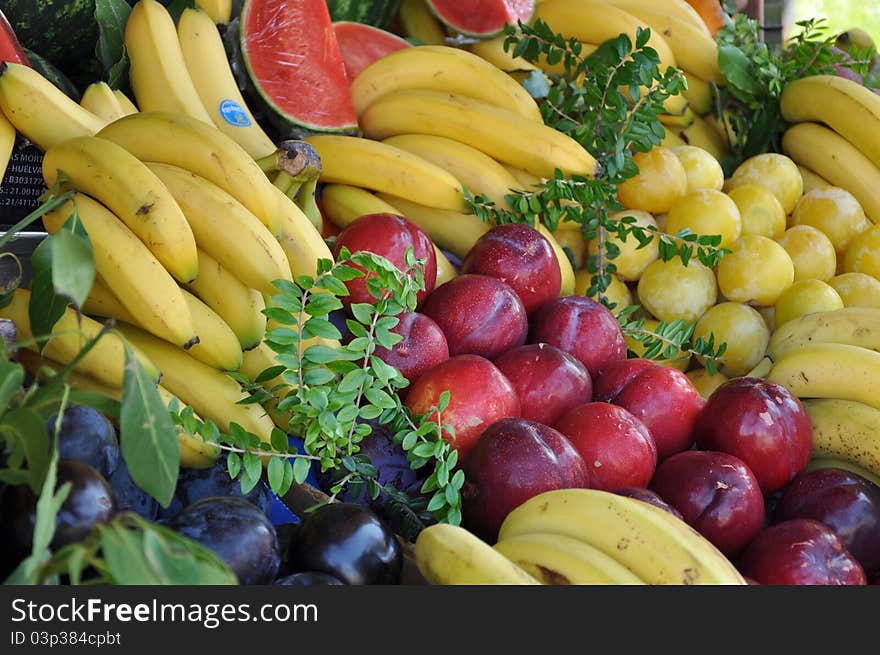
(321, 304)
(233, 465)
(301, 467)
(147, 435)
(319, 327)
(11, 378)
(736, 67)
(45, 306)
(73, 262)
(28, 429)
(111, 16)
(363, 312)
(275, 473)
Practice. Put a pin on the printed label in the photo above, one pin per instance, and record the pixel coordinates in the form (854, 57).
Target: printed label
(234, 114)
(22, 185)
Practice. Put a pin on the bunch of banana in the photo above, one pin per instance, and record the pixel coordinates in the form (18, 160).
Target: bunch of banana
(847, 431)
(652, 545)
(835, 134)
(100, 99)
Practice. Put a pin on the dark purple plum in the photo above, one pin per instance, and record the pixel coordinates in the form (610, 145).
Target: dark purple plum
(236, 531)
(649, 496)
(129, 496)
(87, 436)
(308, 579)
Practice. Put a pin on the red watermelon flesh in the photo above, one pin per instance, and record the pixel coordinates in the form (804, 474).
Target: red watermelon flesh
(363, 44)
(295, 63)
(10, 48)
(482, 18)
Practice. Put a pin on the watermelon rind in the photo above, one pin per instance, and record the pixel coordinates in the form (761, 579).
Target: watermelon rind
(378, 13)
(283, 124)
(487, 33)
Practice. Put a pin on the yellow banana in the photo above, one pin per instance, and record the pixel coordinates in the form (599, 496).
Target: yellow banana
(449, 554)
(452, 231)
(256, 360)
(240, 307)
(680, 9)
(225, 229)
(856, 326)
(699, 94)
(217, 347)
(208, 66)
(99, 99)
(492, 50)
(683, 119)
(343, 203)
(671, 139)
(566, 270)
(7, 143)
(442, 69)
(418, 23)
(125, 102)
(812, 180)
(195, 452)
(556, 559)
(701, 134)
(475, 171)
(837, 462)
(847, 107)
(219, 11)
(105, 362)
(831, 156)
(211, 393)
(846, 429)
(158, 73)
(299, 239)
(374, 165)
(503, 135)
(131, 271)
(116, 178)
(189, 143)
(40, 110)
(830, 370)
(526, 180)
(652, 543)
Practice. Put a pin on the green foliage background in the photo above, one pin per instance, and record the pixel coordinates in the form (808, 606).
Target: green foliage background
(841, 14)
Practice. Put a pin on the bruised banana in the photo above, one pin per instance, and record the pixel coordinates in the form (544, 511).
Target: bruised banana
(343, 203)
(211, 393)
(217, 347)
(118, 180)
(503, 135)
(660, 548)
(105, 362)
(208, 66)
(158, 73)
(99, 99)
(449, 554)
(225, 229)
(856, 326)
(846, 429)
(40, 110)
(189, 143)
(556, 559)
(378, 166)
(830, 370)
(132, 272)
(443, 69)
(240, 307)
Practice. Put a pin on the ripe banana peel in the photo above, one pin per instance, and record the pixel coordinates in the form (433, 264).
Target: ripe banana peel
(846, 430)
(856, 326)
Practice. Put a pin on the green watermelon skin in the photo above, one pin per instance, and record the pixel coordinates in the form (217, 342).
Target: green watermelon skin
(48, 70)
(378, 13)
(62, 31)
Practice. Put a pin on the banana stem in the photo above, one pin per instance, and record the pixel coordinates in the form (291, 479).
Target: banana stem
(306, 201)
(284, 181)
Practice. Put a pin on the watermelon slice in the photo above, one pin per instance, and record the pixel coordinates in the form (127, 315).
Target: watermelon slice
(294, 63)
(481, 18)
(362, 44)
(10, 48)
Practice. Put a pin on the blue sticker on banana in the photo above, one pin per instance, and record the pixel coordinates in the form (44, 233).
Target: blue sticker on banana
(234, 114)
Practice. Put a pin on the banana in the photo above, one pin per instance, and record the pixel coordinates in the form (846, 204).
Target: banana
(846, 429)
(99, 99)
(680, 9)
(118, 180)
(830, 370)
(831, 156)
(189, 143)
(442, 69)
(652, 543)
(452, 231)
(699, 94)
(40, 110)
(503, 135)
(847, 107)
(526, 180)
(566, 269)
(158, 73)
(131, 271)
(374, 165)
(211, 393)
(258, 359)
(343, 203)
(208, 66)
(835, 462)
(217, 347)
(761, 369)
(225, 229)
(671, 139)
(701, 134)
(449, 554)
(856, 326)
(105, 362)
(681, 120)
(219, 11)
(812, 180)
(418, 23)
(492, 50)
(240, 308)
(299, 239)
(556, 559)
(7, 143)
(125, 102)
(595, 21)
(474, 170)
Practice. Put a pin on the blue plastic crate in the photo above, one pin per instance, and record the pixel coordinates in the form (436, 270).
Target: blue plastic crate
(279, 512)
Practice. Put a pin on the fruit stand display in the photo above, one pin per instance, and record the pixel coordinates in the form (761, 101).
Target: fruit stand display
(325, 292)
